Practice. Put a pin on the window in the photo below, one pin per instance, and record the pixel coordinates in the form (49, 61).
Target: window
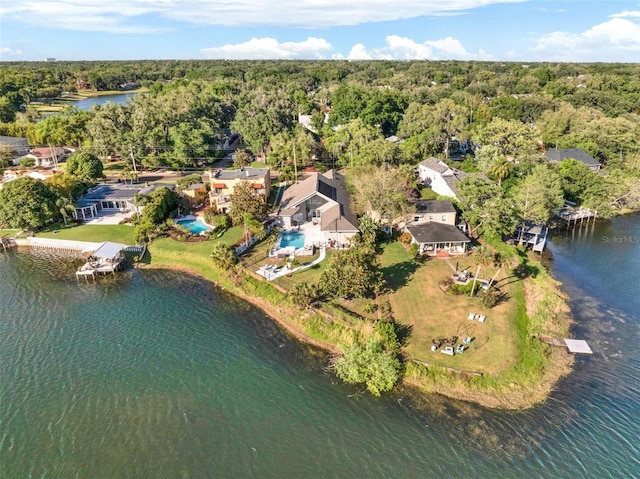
(416, 219)
(430, 217)
(444, 217)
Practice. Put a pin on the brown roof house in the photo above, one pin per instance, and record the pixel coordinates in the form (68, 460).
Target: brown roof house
(436, 230)
(46, 156)
(440, 211)
(319, 205)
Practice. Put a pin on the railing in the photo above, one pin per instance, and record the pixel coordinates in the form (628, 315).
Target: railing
(63, 245)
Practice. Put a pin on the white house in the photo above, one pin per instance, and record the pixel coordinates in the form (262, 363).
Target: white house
(440, 177)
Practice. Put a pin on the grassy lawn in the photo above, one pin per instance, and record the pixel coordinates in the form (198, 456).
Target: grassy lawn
(94, 233)
(8, 232)
(418, 302)
(193, 256)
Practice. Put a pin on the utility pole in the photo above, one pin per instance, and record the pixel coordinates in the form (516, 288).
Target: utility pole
(295, 164)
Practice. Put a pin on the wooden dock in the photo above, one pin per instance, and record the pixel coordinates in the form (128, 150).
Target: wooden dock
(6, 242)
(532, 235)
(575, 346)
(571, 216)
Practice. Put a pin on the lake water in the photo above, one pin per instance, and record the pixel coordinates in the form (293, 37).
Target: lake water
(87, 103)
(155, 374)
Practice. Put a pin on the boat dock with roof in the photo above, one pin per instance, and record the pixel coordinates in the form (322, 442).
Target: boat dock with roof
(107, 258)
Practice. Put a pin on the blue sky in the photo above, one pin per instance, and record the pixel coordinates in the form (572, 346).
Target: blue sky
(503, 30)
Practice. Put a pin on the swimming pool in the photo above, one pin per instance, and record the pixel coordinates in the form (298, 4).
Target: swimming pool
(196, 227)
(292, 238)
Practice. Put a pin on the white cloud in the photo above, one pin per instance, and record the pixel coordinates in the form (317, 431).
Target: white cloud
(615, 40)
(270, 48)
(403, 48)
(68, 14)
(10, 51)
(396, 48)
(359, 52)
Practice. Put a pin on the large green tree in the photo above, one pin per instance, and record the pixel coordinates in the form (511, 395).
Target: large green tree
(26, 203)
(245, 201)
(352, 273)
(485, 207)
(539, 196)
(85, 165)
(357, 144)
(428, 129)
(382, 192)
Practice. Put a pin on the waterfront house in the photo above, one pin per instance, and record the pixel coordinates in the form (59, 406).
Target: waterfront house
(320, 204)
(440, 177)
(112, 198)
(222, 183)
(578, 154)
(439, 239)
(428, 211)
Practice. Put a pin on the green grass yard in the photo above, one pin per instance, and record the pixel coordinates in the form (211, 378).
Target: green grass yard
(417, 301)
(93, 233)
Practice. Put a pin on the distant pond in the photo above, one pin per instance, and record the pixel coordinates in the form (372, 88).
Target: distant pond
(87, 103)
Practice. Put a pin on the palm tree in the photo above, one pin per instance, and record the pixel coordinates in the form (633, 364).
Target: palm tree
(500, 169)
(251, 223)
(223, 256)
(65, 206)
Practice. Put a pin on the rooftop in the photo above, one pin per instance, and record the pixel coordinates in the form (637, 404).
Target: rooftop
(437, 233)
(578, 154)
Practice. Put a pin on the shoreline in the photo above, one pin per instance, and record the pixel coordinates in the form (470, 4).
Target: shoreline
(517, 397)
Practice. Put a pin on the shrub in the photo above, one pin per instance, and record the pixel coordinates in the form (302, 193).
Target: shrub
(490, 297)
(461, 289)
(370, 364)
(405, 237)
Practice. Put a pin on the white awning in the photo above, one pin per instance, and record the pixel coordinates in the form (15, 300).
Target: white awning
(109, 250)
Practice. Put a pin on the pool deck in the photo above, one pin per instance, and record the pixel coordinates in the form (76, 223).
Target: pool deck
(270, 273)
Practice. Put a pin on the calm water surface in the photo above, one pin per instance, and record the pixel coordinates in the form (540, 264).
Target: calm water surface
(87, 103)
(155, 374)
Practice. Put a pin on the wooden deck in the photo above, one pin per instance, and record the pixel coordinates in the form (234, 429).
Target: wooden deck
(575, 346)
(6, 242)
(532, 235)
(571, 216)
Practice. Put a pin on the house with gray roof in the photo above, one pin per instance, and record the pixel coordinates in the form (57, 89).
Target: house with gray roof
(19, 146)
(320, 204)
(578, 154)
(112, 198)
(439, 239)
